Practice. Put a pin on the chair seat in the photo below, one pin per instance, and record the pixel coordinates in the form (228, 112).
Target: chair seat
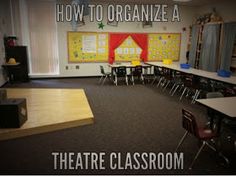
(206, 134)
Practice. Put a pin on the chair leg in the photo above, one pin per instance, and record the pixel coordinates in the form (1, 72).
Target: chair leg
(172, 88)
(116, 80)
(211, 147)
(104, 80)
(159, 82)
(181, 141)
(167, 84)
(126, 80)
(175, 90)
(183, 93)
(188, 91)
(196, 156)
(195, 96)
(132, 78)
(100, 79)
(154, 80)
(164, 82)
(182, 87)
(218, 152)
(142, 79)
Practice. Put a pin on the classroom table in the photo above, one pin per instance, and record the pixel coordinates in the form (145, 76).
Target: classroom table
(223, 105)
(201, 73)
(127, 65)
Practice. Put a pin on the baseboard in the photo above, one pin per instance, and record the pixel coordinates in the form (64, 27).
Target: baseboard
(69, 77)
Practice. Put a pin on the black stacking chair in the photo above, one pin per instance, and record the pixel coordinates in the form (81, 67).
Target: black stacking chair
(202, 134)
(137, 72)
(191, 84)
(157, 75)
(168, 78)
(177, 83)
(160, 74)
(120, 72)
(104, 76)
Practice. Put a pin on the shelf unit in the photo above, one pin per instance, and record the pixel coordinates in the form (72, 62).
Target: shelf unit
(199, 45)
(200, 39)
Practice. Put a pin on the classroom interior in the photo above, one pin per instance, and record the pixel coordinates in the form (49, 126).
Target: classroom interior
(118, 86)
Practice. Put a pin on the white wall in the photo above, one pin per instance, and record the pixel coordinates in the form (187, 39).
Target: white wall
(226, 9)
(5, 29)
(92, 69)
(188, 14)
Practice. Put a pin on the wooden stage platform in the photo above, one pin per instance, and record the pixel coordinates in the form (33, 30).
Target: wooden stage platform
(50, 110)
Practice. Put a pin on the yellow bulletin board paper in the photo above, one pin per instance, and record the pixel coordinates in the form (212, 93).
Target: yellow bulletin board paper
(87, 47)
(164, 46)
(94, 47)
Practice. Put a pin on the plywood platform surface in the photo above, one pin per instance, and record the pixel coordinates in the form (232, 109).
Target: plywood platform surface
(50, 110)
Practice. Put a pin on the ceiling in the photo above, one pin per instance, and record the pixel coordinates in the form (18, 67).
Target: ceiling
(191, 3)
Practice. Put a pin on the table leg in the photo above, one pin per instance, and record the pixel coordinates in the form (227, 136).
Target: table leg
(217, 142)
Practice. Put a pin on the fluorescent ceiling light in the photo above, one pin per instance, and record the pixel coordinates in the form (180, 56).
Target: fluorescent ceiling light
(182, 0)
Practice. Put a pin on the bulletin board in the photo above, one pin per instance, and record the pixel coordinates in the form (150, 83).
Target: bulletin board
(87, 47)
(164, 46)
(128, 51)
(94, 47)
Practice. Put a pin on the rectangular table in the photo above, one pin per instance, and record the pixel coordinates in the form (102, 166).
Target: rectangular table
(197, 72)
(224, 105)
(50, 110)
(127, 65)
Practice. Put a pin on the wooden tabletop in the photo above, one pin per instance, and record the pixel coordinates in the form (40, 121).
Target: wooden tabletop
(225, 105)
(50, 110)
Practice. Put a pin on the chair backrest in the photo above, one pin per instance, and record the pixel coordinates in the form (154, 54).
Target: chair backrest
(190, 80)
(214, 95)
(120, 71)
(138, 70)
(102, 69)
(157, 71)
(189, 122)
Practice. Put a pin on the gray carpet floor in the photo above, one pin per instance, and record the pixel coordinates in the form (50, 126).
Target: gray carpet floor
(139, 118)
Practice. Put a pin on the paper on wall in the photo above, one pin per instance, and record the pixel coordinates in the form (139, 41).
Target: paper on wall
(89, 43)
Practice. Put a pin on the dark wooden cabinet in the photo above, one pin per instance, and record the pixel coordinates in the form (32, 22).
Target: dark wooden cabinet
(19, 72)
